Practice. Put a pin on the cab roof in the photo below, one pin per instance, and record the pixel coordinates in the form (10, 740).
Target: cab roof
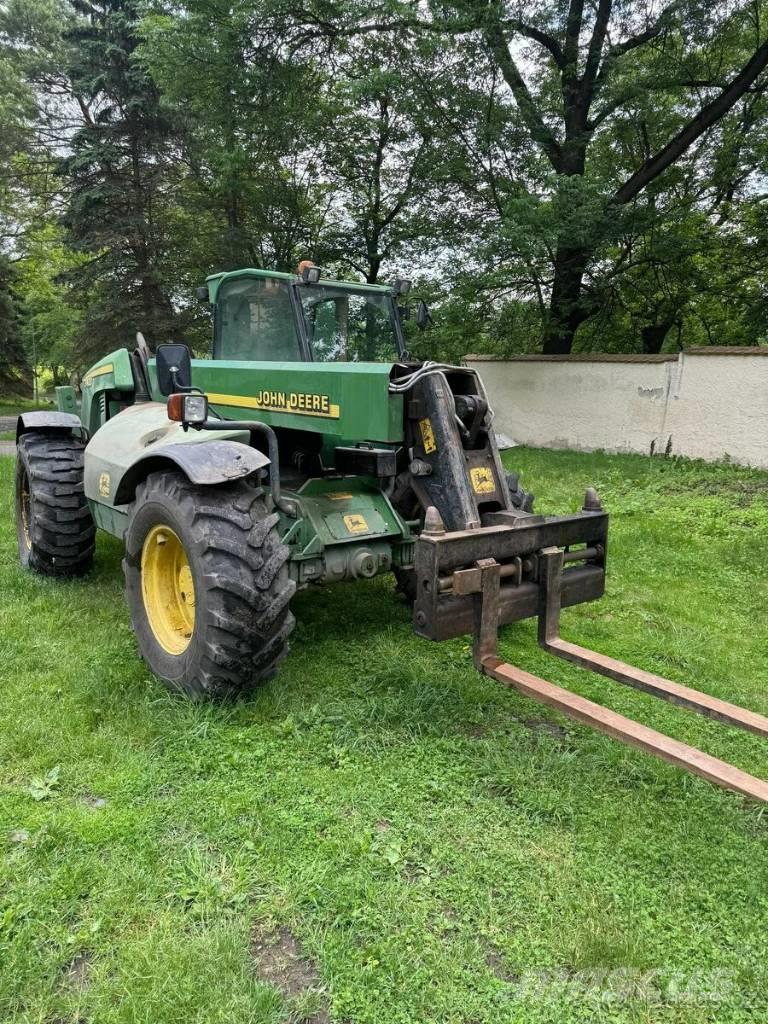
(215, 281)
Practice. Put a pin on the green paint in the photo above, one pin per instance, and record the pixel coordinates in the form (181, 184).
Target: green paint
(347, 513)
(111, 519)
(112, 373)
(66, 400)
(356, 395)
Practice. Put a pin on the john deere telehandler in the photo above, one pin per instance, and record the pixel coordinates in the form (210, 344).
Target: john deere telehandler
(312, 449)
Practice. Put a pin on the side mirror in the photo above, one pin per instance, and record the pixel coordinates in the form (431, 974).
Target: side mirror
(174, 368)
(423, 316)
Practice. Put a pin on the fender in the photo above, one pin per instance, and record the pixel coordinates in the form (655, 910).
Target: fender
(207, 464)
(29, 421)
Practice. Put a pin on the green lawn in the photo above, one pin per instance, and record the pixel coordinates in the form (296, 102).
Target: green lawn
(13, 406)
(382, 835)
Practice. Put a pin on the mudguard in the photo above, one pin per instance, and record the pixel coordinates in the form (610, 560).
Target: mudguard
(142, 440)
(45, 420)
(215, 462)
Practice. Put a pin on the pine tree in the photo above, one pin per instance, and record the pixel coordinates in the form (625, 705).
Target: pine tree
(15, 376)
(119, 175)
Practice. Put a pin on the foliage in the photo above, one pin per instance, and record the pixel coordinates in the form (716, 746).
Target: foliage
(118, 173)
(14, 370)
(555, 175)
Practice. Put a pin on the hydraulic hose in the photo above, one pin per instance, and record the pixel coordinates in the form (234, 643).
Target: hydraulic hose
(284, 504)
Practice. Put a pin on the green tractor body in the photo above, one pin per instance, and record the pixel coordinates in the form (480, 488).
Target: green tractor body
(318, 408)
(325, 454)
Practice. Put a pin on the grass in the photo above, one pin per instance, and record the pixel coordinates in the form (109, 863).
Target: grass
(10, 407)
(380, 834)
(14, 406)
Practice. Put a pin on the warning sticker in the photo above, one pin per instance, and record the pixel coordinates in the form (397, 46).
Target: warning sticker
(482, 480)
(105, 485)
(356, 524)
(428, 436)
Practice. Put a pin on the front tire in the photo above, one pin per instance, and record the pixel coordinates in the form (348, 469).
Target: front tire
(207, 585)
(54, 529)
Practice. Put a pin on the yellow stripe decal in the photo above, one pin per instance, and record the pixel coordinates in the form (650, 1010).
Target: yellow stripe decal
(293, 404)
(98, 372)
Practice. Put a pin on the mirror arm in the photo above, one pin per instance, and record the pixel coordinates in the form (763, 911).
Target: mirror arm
(174, 370)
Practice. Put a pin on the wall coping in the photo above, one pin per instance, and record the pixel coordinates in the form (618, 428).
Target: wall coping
(574, 357)
(726, 350)
(619, 357)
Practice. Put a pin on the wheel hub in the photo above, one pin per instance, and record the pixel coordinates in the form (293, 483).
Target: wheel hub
(168, 589)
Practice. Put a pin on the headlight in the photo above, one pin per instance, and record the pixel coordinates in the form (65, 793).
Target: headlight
(188, 408)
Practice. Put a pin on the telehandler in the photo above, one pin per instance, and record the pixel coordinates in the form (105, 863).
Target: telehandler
(312, 448)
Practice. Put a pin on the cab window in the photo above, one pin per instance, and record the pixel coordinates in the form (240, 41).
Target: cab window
(256, 321)
(349, 326)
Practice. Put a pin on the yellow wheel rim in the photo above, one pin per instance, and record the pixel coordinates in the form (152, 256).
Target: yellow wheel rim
(167, 589)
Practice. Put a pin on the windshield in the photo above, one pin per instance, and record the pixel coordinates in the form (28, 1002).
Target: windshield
(349, 326)
(256, 321)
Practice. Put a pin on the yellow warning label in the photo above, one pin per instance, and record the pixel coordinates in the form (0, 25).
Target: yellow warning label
(356, 524)
(339, 496)
(482, 480)
(428, 436)
(105, 484)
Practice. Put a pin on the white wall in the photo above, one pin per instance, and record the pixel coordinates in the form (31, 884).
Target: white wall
(704, 403)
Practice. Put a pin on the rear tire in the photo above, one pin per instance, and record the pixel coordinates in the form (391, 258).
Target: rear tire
(212, 617)
(54, 529)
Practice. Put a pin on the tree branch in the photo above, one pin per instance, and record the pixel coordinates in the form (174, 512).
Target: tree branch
(596, 43)
(708, 116)
(543, 38)
(572, 32)
(535, 123)
(619, 49)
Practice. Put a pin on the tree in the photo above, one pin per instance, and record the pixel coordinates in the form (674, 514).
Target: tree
(119, 181)
(15, 377)
(250, 118)
(378, 158)
(571, 72)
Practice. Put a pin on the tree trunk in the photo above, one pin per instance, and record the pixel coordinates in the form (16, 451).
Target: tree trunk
(654, 335)
(566, 308)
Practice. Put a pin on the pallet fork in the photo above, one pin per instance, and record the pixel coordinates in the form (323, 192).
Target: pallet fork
(441, 611)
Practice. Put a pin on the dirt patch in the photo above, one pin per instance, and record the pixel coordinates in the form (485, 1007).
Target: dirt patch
(498, 966)
(280, 961)
(475, 731)
(545, 727)
(93, 801)
(7, 447)
(77, 973)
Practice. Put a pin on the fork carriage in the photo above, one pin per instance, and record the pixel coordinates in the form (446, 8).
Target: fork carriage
(474, 581)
